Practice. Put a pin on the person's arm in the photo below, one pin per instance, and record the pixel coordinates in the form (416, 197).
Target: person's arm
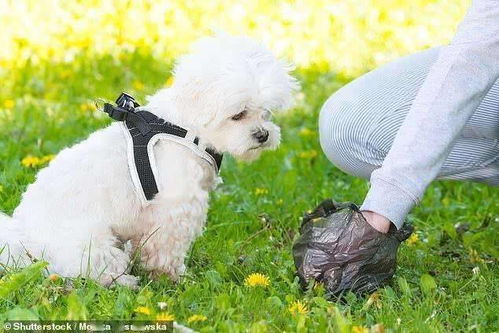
(457, 82)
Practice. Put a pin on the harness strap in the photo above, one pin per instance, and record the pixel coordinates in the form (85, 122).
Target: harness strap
(121, 114)
(143, 126)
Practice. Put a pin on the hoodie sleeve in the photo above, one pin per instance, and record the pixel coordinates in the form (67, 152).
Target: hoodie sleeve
(457, 82)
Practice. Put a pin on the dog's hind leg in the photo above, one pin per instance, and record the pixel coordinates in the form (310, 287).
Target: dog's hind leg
(102, 259)
(111, 265)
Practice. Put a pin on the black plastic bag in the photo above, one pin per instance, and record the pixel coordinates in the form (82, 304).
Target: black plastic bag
(340, 249)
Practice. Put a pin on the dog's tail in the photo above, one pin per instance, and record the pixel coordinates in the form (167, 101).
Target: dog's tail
(11, 239)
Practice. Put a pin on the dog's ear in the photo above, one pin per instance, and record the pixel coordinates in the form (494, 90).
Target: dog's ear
(277, 86)
(191, 97)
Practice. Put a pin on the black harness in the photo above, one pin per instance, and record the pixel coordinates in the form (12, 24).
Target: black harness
(143, 126)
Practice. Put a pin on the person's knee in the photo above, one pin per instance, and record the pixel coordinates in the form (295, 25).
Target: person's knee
(341, 137)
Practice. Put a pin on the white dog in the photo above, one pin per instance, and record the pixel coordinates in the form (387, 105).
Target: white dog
(83, 208)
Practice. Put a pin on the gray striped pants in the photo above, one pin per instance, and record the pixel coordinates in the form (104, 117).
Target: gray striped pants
(358, 123)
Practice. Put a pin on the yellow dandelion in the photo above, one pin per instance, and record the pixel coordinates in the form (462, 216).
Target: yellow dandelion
(165, 316)
(308, 154)
(30, 161)
(306, 132)
(137, 85)
(143, 310)
(261, 191)
(9, 103)
(413, 239)
(169, 81)
(257, 280)
(298, 308)
(196, 318)
(280, 202)
(53, 277)
(359, 329)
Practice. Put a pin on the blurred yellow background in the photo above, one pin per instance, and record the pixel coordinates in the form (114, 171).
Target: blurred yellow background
(347, 36)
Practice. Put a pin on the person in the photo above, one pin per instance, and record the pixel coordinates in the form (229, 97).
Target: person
(431, 115)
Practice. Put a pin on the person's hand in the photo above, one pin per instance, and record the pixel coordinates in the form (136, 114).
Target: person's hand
(339, 248)
(378, 222)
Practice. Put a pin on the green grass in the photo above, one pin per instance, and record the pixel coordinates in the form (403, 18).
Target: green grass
(435, 287)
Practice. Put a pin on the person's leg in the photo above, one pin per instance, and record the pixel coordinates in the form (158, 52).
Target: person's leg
(359, 122)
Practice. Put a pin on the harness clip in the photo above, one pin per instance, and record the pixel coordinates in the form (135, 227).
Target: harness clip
(127, 102)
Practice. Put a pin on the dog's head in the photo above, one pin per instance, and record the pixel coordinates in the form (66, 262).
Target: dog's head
(226, 89)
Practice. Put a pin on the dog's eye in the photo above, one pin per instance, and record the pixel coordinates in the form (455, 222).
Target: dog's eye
(240, 115)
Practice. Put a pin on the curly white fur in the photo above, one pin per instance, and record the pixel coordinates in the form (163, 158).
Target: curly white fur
(82, 212)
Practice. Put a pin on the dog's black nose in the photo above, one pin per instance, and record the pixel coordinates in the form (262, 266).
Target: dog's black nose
(261, 136)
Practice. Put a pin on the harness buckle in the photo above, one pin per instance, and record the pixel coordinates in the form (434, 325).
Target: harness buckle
(127, 102)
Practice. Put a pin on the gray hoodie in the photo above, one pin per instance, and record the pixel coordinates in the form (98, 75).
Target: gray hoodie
(463, 73)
